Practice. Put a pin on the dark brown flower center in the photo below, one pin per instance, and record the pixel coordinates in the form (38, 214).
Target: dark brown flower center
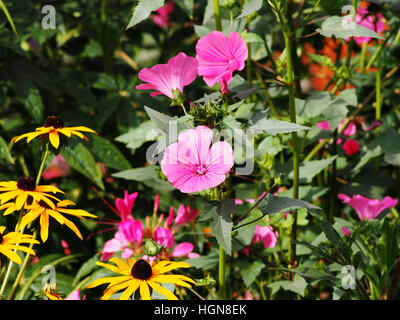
(54, 121)
(26, 184)
(44, 204)
(141, 270)
(1, 238)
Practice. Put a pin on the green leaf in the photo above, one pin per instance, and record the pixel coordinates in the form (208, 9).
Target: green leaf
(298, 285)
(204, 262)
(250, 7)
(81, 160)
(4, 152)
(146, 175)
(221, 222)
(272, 204)
(250, 270)
(315, 105)
(274, 127)
(135, 138)
(309, 169)
(108, 153)
(338, 27)
(143, 11)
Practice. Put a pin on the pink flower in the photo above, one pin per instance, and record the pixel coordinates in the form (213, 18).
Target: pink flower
(163, 236)
(192, 166)
(133, 230)
(65, 245)
(368, 208)
(170, 219)
(58, 168)
(124, 206)
(374, 22)
(346, 231)
(182, 249)
(324, 125)
(179, 72)
(219, 56)
(351, 147)
(350, 130)
(75, 295)
(186, 215)
(162, 17)
(265, 235)
(116, 244)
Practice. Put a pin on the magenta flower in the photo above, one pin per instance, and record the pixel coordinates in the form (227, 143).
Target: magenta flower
(350, 130)
(351, 147)
(346, 231)
(185, 215)
(183, 249)
(162, 17)
(368, 208)
(164, 237)
(265, 235)
(374, 22)
(117, 244)
(179, 72)
(219, 56)
(192, 166)
(125, 206)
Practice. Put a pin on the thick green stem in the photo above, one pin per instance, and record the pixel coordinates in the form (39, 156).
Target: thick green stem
(378, 85)
(292, 110)
(217, 16)
(221, 274)
(44, 159)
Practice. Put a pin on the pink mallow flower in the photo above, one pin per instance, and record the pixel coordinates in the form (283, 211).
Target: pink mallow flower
(350, 130)
(179, 72)
(161, 18)
(351, 147)
(368, 208)
(183, 249)
(219, 56)
(185, 215)
(265, 235)
(190, 165)
(346, 231)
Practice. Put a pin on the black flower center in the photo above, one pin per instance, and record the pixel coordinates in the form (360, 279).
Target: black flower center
(43, 204)
(141, 270)
(26, 184)
(54, 121)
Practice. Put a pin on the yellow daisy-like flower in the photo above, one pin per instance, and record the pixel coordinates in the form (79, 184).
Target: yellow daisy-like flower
(139, 274)
(51, 293)
(11, 241)
(44, 211)
(21, 190)
(52, 128)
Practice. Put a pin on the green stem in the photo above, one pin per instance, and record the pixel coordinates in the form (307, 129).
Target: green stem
(221, 274)
(217, 16)
(378, 84)
(261, 287)
(292, 110)
(21, 271)
(8, 16)
(44, 159)
(363, 56)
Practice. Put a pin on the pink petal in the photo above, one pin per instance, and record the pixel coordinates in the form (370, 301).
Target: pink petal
(182, 249)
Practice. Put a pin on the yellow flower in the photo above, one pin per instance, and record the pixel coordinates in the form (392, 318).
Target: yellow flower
(44, 211)
(52, 128)
(11, 241)
(139, 274)
(21, 190)
(51, 293)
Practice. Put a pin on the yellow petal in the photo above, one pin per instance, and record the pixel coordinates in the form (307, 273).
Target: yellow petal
(134, 285)
(44, 226)
(54, 139)
(144, 290)
(160, 289)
